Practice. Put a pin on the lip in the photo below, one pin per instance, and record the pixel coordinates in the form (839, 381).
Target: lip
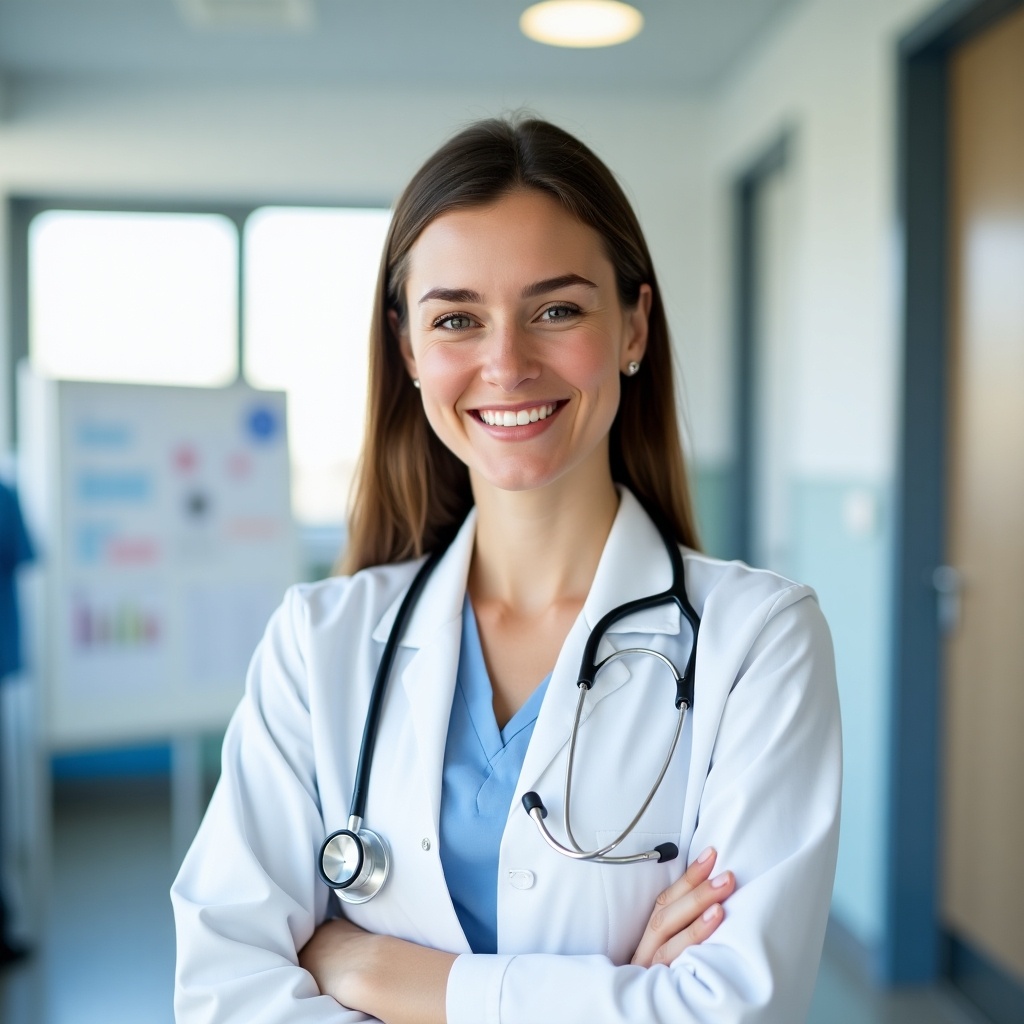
(520, 432)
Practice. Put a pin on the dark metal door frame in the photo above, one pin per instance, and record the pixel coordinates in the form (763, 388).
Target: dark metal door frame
(914, 949)
(747, 186)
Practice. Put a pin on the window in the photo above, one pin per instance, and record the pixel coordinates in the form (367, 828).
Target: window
(309, 282)
(146, 298)
(153, 298)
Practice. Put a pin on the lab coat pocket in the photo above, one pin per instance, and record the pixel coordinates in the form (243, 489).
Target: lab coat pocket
(631, 889)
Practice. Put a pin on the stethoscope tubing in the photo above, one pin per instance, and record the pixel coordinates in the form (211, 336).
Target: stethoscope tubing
(357, 889)
(536, 809)
(371, 728)
(680, 720)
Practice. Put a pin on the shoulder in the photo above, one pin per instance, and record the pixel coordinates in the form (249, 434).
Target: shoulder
(357, 602)
(317, 622)
(715, 585)
(745, 611)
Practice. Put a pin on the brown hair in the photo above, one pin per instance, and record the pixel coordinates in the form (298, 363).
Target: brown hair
(411, 493)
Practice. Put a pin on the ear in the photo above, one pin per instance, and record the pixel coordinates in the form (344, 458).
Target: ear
(404, 345)
(637, 322)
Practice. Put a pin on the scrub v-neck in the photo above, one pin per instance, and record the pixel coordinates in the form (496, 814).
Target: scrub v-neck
(482, 764)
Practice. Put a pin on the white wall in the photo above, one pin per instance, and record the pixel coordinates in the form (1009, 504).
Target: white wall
(828, 73)
(323, 144)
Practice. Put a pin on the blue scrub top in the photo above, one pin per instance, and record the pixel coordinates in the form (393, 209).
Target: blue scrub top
(482, 764)
(15, 548)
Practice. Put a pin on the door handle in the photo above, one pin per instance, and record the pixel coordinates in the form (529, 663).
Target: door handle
(949, 584)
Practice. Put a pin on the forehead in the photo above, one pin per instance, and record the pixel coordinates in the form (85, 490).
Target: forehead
(526, 234)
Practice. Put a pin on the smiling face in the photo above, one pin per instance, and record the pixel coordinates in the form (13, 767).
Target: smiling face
(517, 336)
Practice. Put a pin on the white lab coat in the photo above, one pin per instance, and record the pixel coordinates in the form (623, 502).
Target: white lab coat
(756, 774)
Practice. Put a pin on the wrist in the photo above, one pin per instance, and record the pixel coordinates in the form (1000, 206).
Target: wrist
(405, 982)
(368, 987)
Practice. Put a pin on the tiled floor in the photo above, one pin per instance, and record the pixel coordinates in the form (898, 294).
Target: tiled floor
(108, 953)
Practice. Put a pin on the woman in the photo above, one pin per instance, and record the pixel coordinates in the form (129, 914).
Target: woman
(522, 421)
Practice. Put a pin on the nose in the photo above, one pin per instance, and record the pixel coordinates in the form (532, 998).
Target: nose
(509, 359)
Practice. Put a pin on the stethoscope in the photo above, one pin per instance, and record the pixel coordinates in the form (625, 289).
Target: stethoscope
(355, 861)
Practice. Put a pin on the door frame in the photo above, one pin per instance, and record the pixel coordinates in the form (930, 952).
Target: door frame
(770, 161)
(914, 949)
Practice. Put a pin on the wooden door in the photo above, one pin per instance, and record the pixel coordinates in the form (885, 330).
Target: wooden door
(983, 845)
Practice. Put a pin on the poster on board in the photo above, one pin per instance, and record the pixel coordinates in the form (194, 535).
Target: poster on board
(170, 542)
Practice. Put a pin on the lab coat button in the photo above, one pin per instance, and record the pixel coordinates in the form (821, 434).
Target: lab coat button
(521, 879)
(425, 844)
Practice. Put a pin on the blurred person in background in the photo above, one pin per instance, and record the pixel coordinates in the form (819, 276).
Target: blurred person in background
(15, 550)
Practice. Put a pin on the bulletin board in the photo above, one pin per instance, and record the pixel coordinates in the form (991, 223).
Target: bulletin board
(167, 541)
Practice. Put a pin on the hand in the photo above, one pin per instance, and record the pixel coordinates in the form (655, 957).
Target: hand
(395, 981)
(335, 956)
(686, 913)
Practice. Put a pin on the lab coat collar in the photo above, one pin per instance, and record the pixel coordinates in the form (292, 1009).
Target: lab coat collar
(634, 541)
(634, 564)
(440, 602)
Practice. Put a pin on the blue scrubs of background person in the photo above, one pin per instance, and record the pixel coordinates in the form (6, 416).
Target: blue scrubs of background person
(15, 550)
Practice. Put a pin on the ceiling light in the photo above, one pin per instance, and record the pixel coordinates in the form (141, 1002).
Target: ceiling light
(581, 22)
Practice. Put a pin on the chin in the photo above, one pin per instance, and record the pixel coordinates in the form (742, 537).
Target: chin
(520, 478)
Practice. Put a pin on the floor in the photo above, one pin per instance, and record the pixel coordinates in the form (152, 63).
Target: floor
(108, 950)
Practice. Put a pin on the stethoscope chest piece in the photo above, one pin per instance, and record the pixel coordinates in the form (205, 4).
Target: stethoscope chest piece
(354, 861)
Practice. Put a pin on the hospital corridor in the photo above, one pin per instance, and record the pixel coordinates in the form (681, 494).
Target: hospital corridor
(680, 338)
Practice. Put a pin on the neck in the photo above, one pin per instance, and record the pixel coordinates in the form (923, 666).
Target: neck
(540, 548)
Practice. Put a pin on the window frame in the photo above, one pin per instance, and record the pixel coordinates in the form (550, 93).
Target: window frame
(23, 209)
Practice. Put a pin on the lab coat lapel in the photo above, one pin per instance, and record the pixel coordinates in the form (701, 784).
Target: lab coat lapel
(634, 564)
(428, 679)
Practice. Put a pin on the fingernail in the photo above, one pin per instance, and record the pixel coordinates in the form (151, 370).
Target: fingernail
(706, 855)
(720, 880)
(712, 912)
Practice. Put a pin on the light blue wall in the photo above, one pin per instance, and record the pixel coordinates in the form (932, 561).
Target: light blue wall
(851, 571)
(848, 562)
(712, 486)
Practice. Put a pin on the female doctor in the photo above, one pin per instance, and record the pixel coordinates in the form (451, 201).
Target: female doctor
(522, 425)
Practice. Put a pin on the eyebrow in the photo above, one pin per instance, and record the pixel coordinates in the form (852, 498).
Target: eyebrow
(554, 283)
(529, 292)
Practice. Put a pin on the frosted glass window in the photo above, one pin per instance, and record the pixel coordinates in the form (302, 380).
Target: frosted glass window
(309, 282)
(148, 298)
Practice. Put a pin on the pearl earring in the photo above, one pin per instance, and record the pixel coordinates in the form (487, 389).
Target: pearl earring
(415, 383)
(632, 368)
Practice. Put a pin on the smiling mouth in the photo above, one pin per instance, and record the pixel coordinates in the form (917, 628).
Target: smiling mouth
(518, 417)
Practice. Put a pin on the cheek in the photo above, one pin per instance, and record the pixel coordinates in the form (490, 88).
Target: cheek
(443, 378)
(444, 373)
(594, 371)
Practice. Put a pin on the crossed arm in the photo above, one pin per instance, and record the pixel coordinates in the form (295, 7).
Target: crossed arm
(399, 982)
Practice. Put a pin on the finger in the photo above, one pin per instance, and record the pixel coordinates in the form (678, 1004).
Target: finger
(679, 915)
(696, 873)
(695, 934)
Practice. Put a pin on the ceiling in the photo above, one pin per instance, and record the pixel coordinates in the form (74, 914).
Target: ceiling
(686, 46)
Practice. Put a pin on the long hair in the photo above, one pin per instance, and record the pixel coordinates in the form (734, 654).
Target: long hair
(411, 493)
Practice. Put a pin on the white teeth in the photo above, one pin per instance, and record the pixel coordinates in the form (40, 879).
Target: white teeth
(497, 418)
